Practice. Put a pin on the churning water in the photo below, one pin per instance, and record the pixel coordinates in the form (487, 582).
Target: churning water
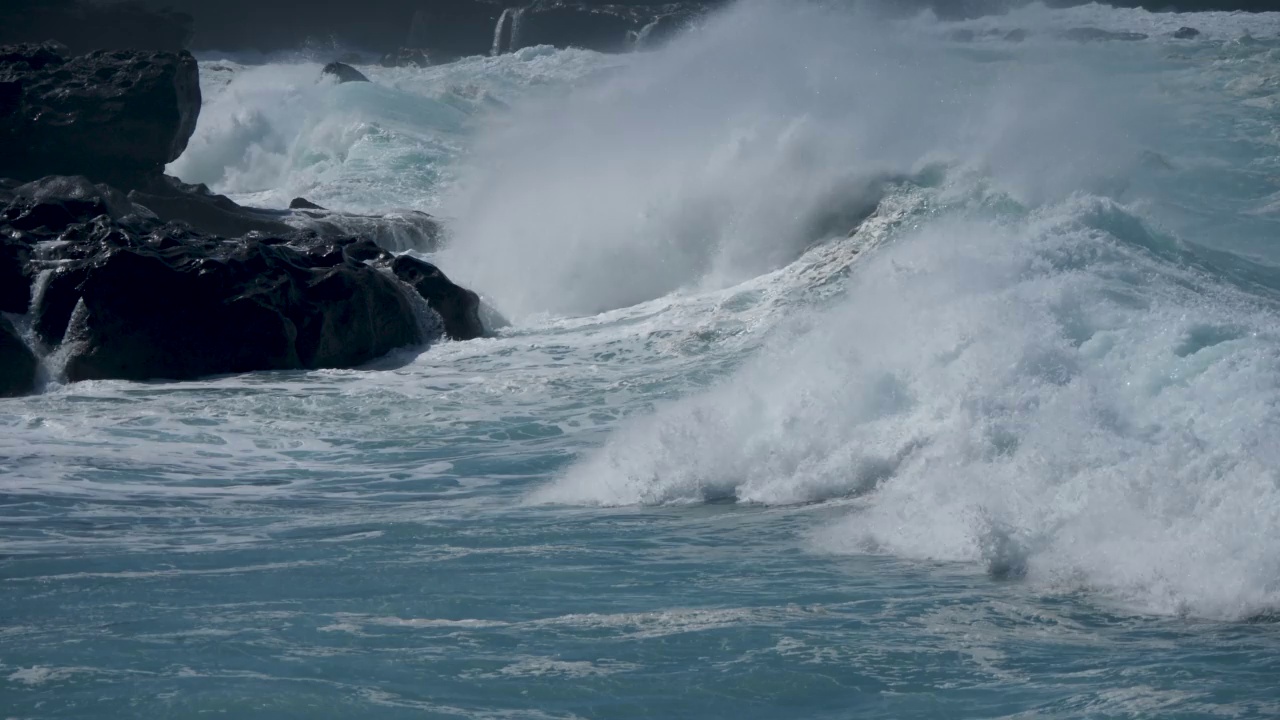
(1011, 448)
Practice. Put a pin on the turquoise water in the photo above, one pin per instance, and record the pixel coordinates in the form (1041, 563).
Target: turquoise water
(1008, 450)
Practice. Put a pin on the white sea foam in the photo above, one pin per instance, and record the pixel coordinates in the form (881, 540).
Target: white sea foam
(1052, 397)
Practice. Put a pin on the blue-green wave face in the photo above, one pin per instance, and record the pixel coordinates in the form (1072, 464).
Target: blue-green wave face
(856, 368)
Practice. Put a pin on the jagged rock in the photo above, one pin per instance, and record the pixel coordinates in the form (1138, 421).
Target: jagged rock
(300, 203)
(214, 307)
(1185, 33)
(15, 285)
(343, 72)
(1092, 34)
(115, 116)
(406, 57)
(175, 201)
(456, 305)
(129, 296)
(17, 363)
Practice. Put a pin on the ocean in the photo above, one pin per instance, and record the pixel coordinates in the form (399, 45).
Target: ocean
(845, 367)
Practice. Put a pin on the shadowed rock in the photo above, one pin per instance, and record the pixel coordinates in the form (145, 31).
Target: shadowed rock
(343, 72)
(300, 203)
(17, 363)
(115, 116)
(131, 297)
(456, 305)
(1092, 34)
(1185, 33)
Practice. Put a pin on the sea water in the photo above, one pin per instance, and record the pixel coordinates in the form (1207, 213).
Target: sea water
(855, 367)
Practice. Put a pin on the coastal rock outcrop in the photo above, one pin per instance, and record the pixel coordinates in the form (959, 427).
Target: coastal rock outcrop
(457, 306)
(1185, 33)
(181, 309)
(343, 72)
(113, 116)
(131, 297)
(1093, 34)
(135, 275)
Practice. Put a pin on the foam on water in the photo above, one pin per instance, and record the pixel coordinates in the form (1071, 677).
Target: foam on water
(728, 459)
(1052, 395)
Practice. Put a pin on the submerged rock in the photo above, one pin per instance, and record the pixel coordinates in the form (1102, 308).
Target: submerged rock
(114, 116)
(1093, 34)
(1185, 33)
(18, 364)
(343, 72)
(1016, 35)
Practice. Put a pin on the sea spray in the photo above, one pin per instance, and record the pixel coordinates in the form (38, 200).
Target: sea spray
(710, 162)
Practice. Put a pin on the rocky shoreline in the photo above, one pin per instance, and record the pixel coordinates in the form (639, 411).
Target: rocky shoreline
(121, 272)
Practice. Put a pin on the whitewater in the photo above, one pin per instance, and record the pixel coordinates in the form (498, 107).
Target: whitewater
(845, 366)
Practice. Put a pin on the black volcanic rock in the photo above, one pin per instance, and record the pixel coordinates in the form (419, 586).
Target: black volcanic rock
(116, 116)
(15, 285)
(300, 203)
(1092, 34)
(175, 201)
(214, 306)
(1185, 33)
(456, 305)
(343, 72)
(17, 363)
(129, 296)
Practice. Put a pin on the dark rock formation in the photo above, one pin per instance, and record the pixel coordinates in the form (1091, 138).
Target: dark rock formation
(175, 201)
(300, 203)
(84, 26)
(456, 305)
(116, 116)
(17, 363)
(212, 306)
(1185, 33)
(1016, 35)
(139, 299)
(406, 57)
(1092, 34)
(343, 72)
(131, 297)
